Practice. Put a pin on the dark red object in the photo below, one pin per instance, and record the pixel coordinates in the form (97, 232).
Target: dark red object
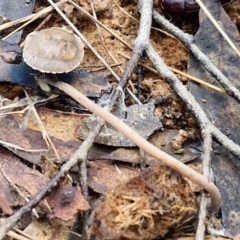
(183, 5)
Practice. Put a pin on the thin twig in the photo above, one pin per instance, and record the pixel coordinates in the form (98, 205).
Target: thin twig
(207, 146)
(45, 135)
(7, 223)
(191, 103)
(83, 158)
(188, 42)
(99, 23)
(190, 77)
(38, 27)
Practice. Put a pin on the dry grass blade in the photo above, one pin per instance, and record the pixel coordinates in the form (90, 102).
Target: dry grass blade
(99, 23)
(233, 46)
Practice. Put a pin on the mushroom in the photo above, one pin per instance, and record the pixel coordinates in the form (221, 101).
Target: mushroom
(53, 50)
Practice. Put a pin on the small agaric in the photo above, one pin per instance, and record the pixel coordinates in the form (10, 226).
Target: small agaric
(53, 50)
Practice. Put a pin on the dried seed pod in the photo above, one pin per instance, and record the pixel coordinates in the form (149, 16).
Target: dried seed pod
(53, 50)
(183, 5)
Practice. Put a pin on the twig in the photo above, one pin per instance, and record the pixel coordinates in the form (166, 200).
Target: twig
(14, 235)
(188, 42)
(207, 146)
(110, 54)
(83, 158)
(191, 103)
(21, 27)
(190, 77)
(7, 223)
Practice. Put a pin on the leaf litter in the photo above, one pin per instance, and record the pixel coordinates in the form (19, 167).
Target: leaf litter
(172, 112)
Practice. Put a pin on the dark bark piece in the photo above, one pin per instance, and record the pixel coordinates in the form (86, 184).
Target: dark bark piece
(222, 110)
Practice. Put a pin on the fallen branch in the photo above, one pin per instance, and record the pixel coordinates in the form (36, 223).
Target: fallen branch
(188, 42)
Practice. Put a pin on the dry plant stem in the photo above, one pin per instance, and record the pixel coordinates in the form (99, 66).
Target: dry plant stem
(142, 143)
(38, 27)
(207, 146)
(99, 23)
(83, 158)
(188, 42)
(29, 17)
(15, 148)
(7, 223)
(22, 233)
(45, 135)
(19, 28)
(110, 54)
(95, 17)
(232, 45)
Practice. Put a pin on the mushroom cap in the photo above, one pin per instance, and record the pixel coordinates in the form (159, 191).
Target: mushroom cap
(53, 50)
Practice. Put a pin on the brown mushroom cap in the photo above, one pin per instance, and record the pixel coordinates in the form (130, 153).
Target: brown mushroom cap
(53, 50)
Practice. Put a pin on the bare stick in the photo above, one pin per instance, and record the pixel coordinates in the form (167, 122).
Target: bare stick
(191, 103)
(7, 223)
(190, 77)
(188, 42)
(207, 146)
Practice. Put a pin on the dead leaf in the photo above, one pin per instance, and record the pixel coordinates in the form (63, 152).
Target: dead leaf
(103, 177)
(66, 202)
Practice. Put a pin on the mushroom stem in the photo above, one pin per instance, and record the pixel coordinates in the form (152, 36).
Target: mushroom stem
(142, 143)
